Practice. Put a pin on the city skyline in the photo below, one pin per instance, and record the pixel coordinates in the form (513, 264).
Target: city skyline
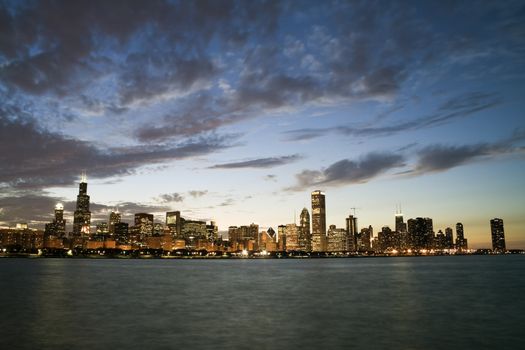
(237, 111)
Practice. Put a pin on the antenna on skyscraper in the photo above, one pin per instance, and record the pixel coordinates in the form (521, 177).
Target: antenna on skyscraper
(83, 176)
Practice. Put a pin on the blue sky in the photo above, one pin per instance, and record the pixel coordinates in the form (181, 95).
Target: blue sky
(236, 110)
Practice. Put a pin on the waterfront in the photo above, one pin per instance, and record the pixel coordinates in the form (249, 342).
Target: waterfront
(403, 303)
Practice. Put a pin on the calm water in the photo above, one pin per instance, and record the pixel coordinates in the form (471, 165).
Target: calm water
(373, 303)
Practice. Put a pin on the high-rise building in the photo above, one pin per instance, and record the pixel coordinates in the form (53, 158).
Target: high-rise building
(352, 232)
(58, 226)
(421, 232)
(292, 237)
(305, 238)
(144, 224)
(82, 215)
(363, 239)
(498, 235)
(173, 222)
(461, 241)
(121, 232)
(114, 218)
(402, 232)
(400, 224)
(212, 231)
(337, 239)
(449, 238)
(102, 229)
(318, 222)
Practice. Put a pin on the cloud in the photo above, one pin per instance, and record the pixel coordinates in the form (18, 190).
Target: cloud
(171, 197)
(38, 209)
(33, 157)
(348, 171)
(197, 194)
(457, 107)
(438, 158)
(259, 163)
(270, 177)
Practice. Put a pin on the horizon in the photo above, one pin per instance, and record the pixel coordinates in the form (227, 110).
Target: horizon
(236, 111)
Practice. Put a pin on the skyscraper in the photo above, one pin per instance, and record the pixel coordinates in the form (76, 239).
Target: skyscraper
(144, 224)
(449, 239)
(58, 226)
(421, 232)
(82, 215)
(318, 221)
(305, 238)
(498, 235)
(114, 218)
(401, 231)
(461, 241)
(173, 222)
(352, 233)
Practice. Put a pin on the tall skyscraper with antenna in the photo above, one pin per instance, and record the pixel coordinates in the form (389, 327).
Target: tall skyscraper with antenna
(82, 215)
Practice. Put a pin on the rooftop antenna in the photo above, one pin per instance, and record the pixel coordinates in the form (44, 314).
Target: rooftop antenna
(83, 176)
(354, 209)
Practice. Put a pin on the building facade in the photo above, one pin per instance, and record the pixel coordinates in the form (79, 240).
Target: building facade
(318, 222)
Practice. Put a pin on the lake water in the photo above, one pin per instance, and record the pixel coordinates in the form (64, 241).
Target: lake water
(459, 302)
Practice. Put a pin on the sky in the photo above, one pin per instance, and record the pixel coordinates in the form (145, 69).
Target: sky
(235, 111)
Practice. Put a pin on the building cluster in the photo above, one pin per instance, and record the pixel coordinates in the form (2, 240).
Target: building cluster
(310, 235)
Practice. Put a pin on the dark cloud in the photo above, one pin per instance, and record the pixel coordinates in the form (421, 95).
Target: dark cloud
(197, 194)
(259, 163)
(270, 177)
(457, 107)
(38, 209)
(139, 53)
(349, 171)
(437, 158)
(171, 197)
(34, 157)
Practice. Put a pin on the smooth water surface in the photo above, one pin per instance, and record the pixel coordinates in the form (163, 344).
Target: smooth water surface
(461, 302)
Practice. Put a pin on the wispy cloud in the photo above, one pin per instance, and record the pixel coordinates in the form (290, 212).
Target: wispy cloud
(259, 162)
(454, 108)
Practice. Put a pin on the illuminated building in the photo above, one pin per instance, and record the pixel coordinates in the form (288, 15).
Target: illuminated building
(212, 231)
(402, 232)
(158, 229)
(291, 232)
(351, 232)
(498, 235)
(144, 224)
(337, 239)
(114, 218)
(318, 222)
(461, 241)
(386, 239)
(363, 239)
(281, 237)
(57, 227)
(82, 215)
(192, 229)
(449, 239)
(305, 238)
(267, 240)
(121, 232)
(421, 233)
(102, 229)
(173, 222)
(440, 241)
(242, 235)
